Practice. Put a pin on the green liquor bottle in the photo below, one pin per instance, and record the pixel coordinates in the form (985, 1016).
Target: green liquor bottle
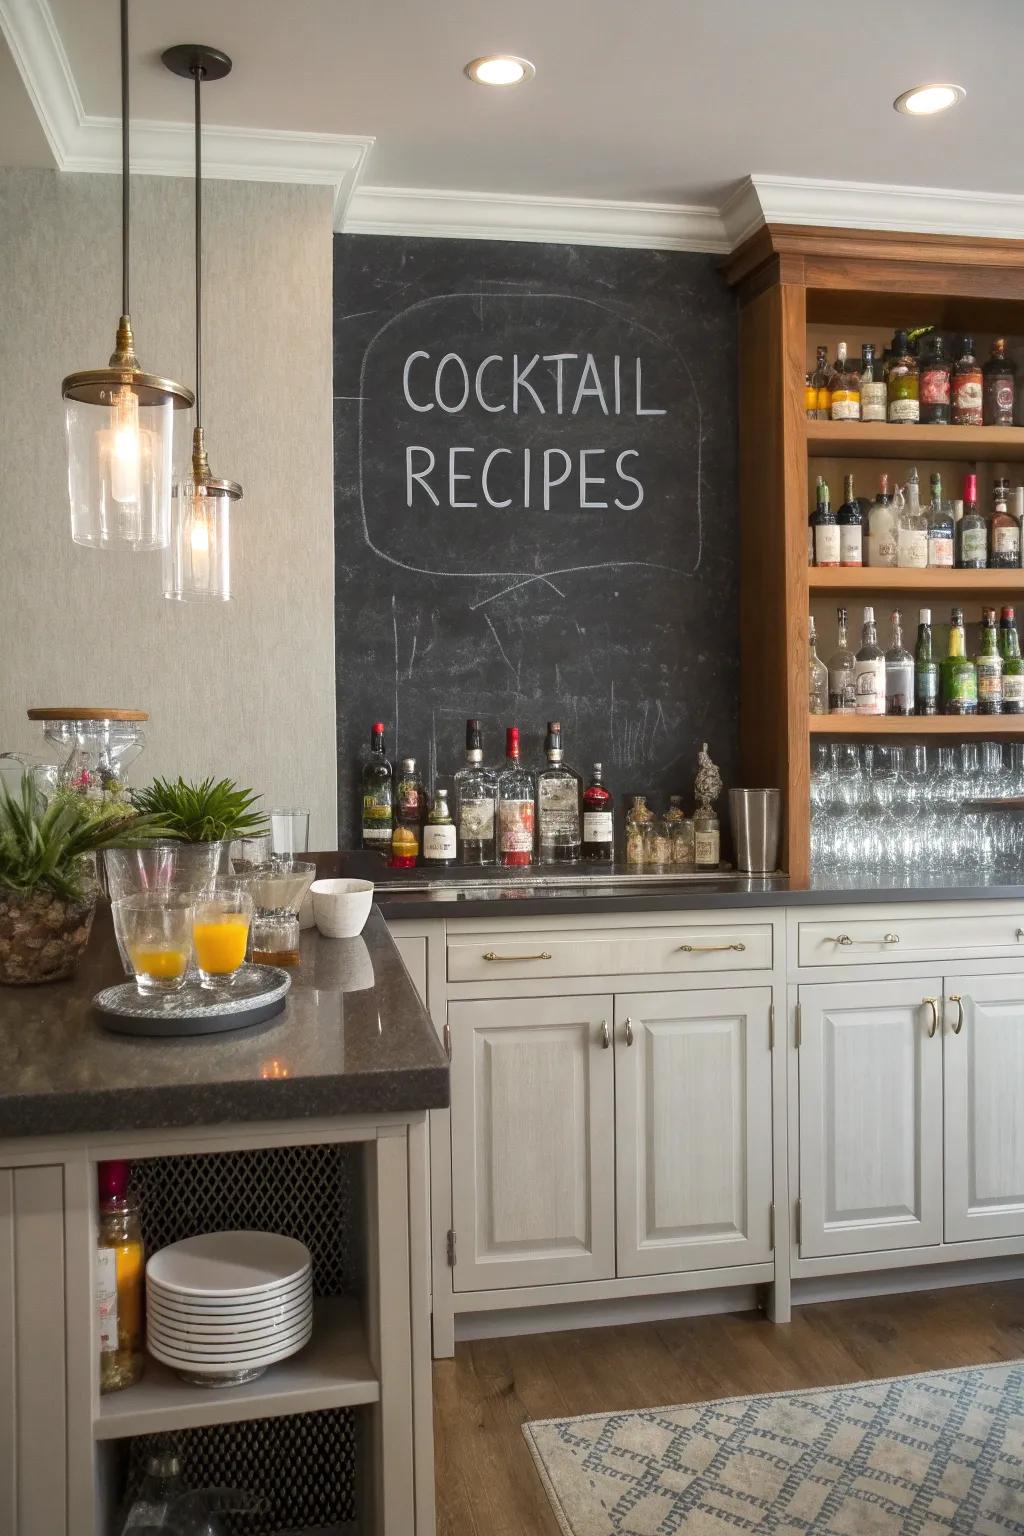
(378, 799)
(1013, 666)
(958, 679)
(989, 666)
(926, 668)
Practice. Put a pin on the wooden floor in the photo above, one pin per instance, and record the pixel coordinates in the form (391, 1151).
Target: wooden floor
(486, 1482)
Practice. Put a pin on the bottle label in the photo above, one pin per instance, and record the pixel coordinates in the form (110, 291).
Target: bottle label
(999, 400)
(845, 407)
(974, 545)
(106, 1298)
(935, 387)
(1013, 687)
(476, 821)
(963, 683)
(377, 817)
(706, 849)
(438, 841)
(912, 548)
(872, 401)
(842, 700)
(967, 399)
(990, 679)
(515, 826)
(904, 410)
(597, 826)
(559, 809)
(826, 544)
(1006, 540)
(851, 544)
(882, 548)
(409, 803)
(940, 549)
(926, 682)
(869, 687)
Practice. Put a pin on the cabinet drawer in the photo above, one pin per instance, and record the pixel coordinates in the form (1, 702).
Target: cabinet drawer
(895, 938)
(611, 952)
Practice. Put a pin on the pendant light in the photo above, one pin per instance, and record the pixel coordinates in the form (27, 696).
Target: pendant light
(119, 420)
(197, 565)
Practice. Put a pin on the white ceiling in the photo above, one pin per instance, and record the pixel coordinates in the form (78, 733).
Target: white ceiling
(664, 101)
(22, 141)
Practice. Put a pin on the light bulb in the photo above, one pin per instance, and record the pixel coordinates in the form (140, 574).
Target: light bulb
(200, 536)
(125, 448)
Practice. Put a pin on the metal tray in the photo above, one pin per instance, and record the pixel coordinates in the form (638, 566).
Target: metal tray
(258, 994)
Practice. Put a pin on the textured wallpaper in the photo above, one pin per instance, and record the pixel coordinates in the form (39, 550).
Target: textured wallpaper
(245, 688)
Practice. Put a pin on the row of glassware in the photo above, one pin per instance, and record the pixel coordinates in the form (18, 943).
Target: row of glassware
(893, 809)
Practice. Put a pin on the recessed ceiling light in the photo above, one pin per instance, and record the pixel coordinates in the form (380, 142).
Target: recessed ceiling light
(500, 69)
(922, 100)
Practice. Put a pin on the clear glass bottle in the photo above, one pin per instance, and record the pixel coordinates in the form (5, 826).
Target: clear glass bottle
(706, 838)
(160, 1498)
(410, 813)
(850, 521)
(439, 838)
(638, 819)
(939, 518)
(476, 793)
(516, 807)
(658, 854)
(989, 666)
(899, 671)
(817, 681)
(972, 529)
(926, 668)
(598, 819)
(120, 1280)
(881, 543)
(826, 529)
(903, 382)
(845, 387)
(999, 386)
(958, 678)
(842, 699)
(966, 408)
(1013, 665)
(378, 794)
(558, 804)
(935, 384)
(681, 836)
(873, 398)
(869, 670)
(911, 528)
(821, 380)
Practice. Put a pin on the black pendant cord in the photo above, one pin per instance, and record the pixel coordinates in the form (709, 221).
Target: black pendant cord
(198, 75)
(125, 189)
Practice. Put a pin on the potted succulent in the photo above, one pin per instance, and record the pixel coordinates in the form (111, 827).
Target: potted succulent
(48, 886)
(205, 818)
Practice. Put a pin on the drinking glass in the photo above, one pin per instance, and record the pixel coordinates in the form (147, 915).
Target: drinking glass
(153, 930)
(973, 833)
(249, 853)
(220, 933)
(130, 870)
(278, 890)
(289, 832)
(947, 849)
(910, 807)
(881, 833)
(847, 787)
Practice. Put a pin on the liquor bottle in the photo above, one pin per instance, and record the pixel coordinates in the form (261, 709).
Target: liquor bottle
(899, 671)
(410, 806)
(1013, 666)
(845, 388)
(999, 387)
(967, 404)
(989, 666)
(1004, 543)
(378, 794)
(842, 699)
(120, 1272)
(939, 520)
(873, 397)
(476, 793)
(516, 807)
(819, 491)
(958, 678)
(850, 522)
(882, 540)
(439, 839)
(598, 809)
(826, 530)
(821, 378)
(926, 668)
(903, 382)
(934, 385)
(869, 670)
(817, 684)
(972, 531)
(810, 399)
(911, 527)
(558, 804)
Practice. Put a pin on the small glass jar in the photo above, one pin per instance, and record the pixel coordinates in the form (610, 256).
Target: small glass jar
(94, 747)
(657, 840)
(706, 840)
(638, 818)
(681, 843)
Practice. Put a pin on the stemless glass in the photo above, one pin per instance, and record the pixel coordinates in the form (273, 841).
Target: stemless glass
(946, 850)
(845, 806)
(249, 853)
(278, 890)
(220, 934)
(289, 832)
(153, 930)
(910, 805)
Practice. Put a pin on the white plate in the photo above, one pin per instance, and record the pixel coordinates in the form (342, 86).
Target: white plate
(203, 1363)
(223, 1265)
(173, 1301)
(274, 1323)
(228, 1348)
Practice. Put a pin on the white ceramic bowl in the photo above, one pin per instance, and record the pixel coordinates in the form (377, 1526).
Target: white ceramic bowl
(257, 1327)
(266, 1304)
(226, 1266)
(341, 907)
(202, 1364)
(231, 1350)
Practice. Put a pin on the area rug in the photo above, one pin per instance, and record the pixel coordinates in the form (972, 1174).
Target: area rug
(911, 1456)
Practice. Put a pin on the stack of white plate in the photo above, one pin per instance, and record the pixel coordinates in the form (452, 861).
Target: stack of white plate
(224, 1306)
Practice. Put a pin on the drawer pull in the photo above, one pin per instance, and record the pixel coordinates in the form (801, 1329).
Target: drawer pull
(887, 938)
(930, 1002)
(448, 1041)
(490, 955)
(955, 997)
(606, 1038)
(629, 1031)
(1020, 935)
(708, 949)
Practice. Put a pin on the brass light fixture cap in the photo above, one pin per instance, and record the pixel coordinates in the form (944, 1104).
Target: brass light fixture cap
(201, 471)
(92, 386)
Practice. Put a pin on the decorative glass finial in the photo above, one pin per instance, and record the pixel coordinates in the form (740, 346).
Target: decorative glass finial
(707, 785)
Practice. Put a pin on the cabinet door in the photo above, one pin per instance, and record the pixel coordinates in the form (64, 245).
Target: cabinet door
(693, 1129)
(870, 1117)
(984, 1102)
(532, 1085)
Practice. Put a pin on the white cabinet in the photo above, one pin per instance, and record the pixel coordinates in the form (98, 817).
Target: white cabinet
(984, 1107)
(870, 1105)
(693, 1129)
(532, 1123)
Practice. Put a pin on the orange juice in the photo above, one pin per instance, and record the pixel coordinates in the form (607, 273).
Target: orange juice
(220, 943)
(163, 964)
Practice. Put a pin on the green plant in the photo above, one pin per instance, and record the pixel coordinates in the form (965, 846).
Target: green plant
(45, 845)
(210, 812)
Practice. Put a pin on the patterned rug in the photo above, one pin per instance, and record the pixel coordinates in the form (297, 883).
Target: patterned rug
(913, 1456)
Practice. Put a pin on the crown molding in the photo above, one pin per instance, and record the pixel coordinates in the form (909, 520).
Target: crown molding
(515, 216)
(880, 205)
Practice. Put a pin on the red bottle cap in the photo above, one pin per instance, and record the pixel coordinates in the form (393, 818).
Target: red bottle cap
(113, 1179)
(970, 487)
(378, 725)
(512, 741)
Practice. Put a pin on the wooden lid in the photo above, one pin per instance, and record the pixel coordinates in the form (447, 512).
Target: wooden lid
(82, 712)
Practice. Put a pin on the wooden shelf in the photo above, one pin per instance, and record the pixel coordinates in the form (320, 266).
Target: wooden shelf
(879, 440)
(917, 725)
(333, 1371)
(879, 578)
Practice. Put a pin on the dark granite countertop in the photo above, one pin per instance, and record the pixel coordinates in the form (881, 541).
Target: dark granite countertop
(353, 1039)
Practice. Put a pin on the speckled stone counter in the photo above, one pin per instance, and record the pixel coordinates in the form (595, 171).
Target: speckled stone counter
(353, 1039)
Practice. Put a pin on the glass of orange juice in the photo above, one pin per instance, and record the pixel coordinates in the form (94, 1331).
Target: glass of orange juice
(220, 933)
(154, 931)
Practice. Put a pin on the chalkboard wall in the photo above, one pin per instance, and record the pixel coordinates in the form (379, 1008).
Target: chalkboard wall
(535, 506)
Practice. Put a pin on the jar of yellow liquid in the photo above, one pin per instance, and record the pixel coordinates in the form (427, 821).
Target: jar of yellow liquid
(120, 1274)
(220, 936)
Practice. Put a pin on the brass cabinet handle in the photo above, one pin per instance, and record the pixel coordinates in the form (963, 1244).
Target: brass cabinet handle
(1020, 935)
(887, 938)
(490, 955)
(930, 1002)
(448, 1041)
(955, 997)
(708, 949)
(629, 1031)
(606, 1038)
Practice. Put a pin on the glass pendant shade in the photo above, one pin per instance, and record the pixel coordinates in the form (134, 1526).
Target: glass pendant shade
(197, 563)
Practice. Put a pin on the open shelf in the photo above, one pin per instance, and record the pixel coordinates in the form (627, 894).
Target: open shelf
(880, 578)
(333, 1371)
(917, 725)
(880, 440)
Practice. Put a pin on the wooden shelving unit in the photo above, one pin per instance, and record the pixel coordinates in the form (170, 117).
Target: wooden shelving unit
(792, 279)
